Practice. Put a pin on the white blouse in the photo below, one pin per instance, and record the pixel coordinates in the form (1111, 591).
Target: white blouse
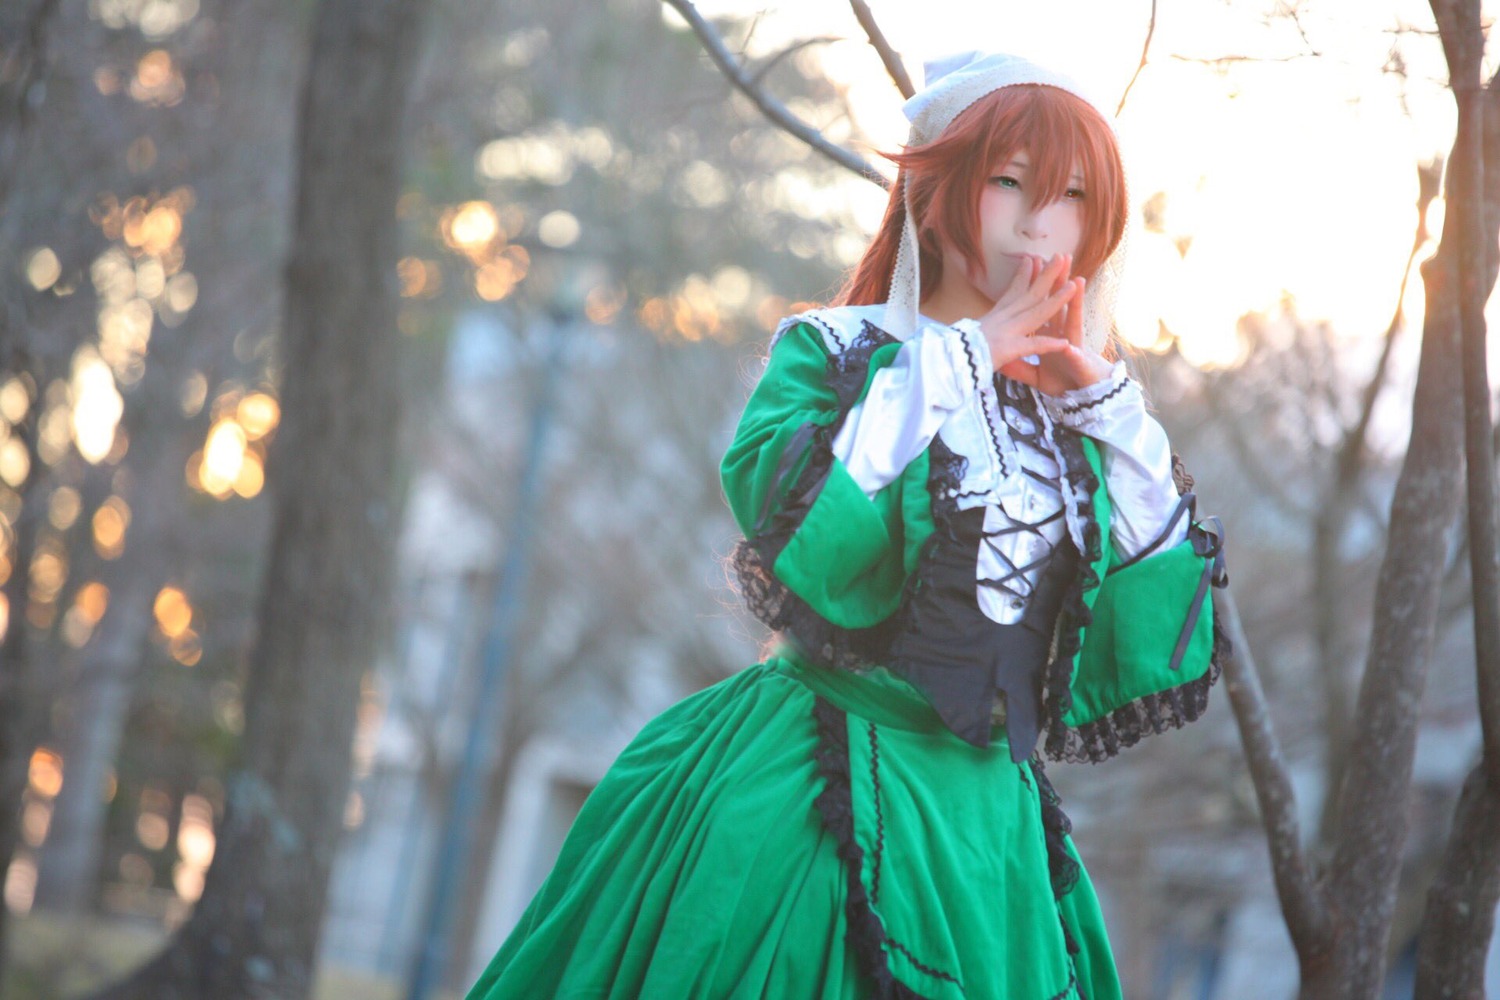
(942, 380)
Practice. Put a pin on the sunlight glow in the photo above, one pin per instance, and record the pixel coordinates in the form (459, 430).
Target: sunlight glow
(97, 405)
(559, 229)
(1280, 175)
(471, 227)
(223, 457)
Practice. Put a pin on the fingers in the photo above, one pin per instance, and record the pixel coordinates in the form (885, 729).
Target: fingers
(1065, 260)
(1035, 313)
(1021, 281)
(1047, 345)
(1032, 284)
(1073, 327)
(1027, 373)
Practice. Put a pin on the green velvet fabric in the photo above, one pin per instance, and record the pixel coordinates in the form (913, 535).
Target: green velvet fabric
(851, 555)
(699, 868)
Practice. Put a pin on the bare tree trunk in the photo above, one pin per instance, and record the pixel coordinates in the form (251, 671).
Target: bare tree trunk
(1373, 805)
(1459, 920)
(325, 600)
(24, 31)
(1460, 917)
(19, 729)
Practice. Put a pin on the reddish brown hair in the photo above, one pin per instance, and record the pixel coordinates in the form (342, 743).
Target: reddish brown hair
(1054, 127)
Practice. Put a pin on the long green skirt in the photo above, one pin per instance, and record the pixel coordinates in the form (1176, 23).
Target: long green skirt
(705, 864)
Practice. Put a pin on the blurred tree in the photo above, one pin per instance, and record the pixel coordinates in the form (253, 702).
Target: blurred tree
(234, 90)
(325, 596)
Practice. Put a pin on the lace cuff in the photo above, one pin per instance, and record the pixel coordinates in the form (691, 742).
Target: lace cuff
(1084, 410)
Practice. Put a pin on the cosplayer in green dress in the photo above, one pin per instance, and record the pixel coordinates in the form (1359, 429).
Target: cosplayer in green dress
(968, 573)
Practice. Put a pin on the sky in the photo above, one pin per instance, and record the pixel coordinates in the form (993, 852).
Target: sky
(1284, 148)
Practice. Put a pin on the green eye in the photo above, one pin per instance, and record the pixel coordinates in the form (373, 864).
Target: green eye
(1005, 181)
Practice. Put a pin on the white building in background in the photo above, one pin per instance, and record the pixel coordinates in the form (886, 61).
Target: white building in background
(415, 721)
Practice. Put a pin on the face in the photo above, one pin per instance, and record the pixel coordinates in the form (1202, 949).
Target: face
(1011, 227)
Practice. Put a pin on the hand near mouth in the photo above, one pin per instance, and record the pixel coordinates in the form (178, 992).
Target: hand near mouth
(1037, 293)
(1051, 304)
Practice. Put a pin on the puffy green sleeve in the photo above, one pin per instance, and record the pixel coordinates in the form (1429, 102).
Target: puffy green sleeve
(844, 553)
(1151, 648)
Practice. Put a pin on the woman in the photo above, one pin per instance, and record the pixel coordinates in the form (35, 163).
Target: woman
(963, 522)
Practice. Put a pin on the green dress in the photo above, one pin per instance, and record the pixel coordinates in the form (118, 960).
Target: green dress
(802, 830)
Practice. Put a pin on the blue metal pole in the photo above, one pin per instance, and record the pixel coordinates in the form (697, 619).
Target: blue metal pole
(458, 825)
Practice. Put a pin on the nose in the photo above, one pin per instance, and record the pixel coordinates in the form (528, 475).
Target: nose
(1033, 225)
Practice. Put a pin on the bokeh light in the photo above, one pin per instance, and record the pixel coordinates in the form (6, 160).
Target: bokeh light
(45, 773)
(471, 227)
(559, 229)
(172, 610)
(15, 398)
(258, 414)
(110, 524)
(96, 405)
(43, 269)
(223, 457)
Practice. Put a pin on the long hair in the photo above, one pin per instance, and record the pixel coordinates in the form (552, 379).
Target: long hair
(1053, 127)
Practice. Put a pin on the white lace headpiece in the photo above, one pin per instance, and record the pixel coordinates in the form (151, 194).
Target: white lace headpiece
(953, 83)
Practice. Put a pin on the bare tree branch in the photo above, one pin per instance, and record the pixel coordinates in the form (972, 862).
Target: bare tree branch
(1224, 60)
(888, 55)
(1294, 12)
(1354, 442)
(769, 105)
(1145, 50)
(1373, 804)
(1302, 901)
(769, 64)
(1333, 514)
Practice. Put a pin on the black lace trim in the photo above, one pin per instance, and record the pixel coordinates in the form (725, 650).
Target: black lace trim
(1072, 989)
(921, 966)
(850, 368)
(1145, 716)
(766, 597)
(1057, 683)
(835, 804)
(879, 814)
(945, 476)
(817, 639)
(1064, 871)
(1111, 394)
